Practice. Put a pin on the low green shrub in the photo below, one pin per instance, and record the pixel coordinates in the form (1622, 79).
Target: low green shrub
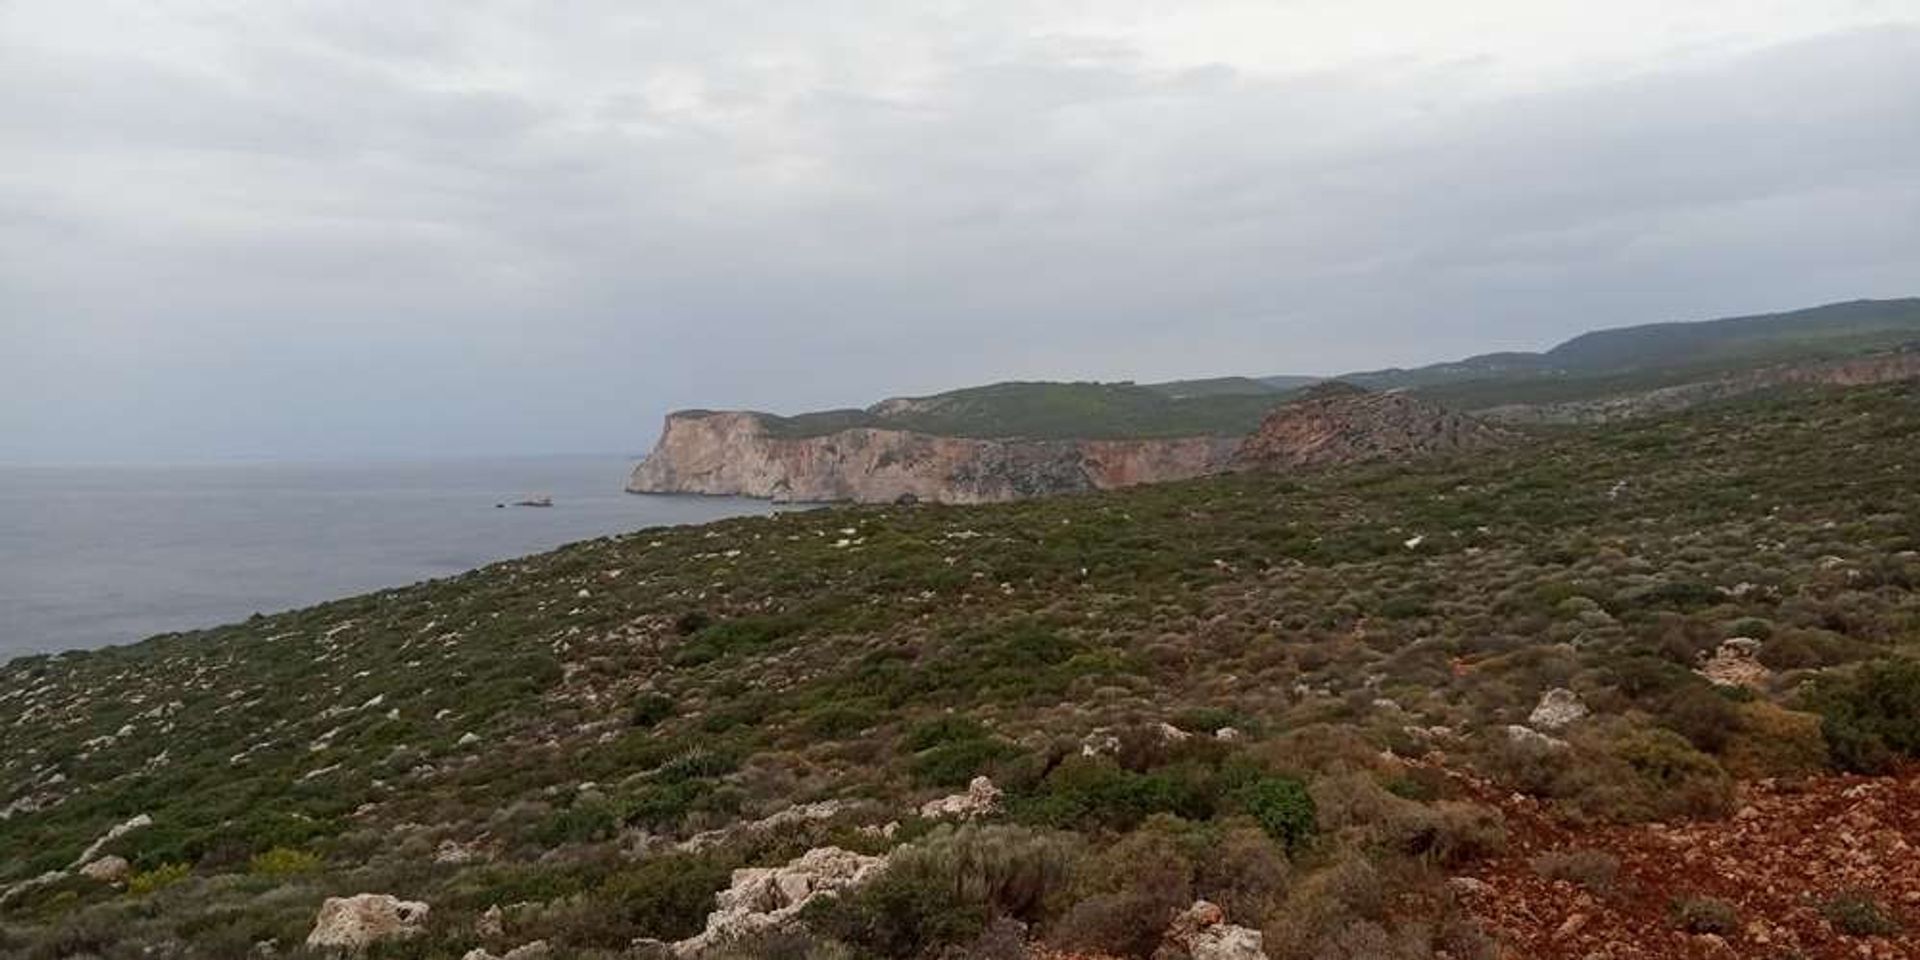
(649, 709)
(953, 763)
(928, 734)
(158, 878)
(664, 897)
(1858, 913)
(1283, 808)
(1705, 915)
(948, 888)
(1596, 870)
(282, 862)
(1871, 717)
(1089, 793)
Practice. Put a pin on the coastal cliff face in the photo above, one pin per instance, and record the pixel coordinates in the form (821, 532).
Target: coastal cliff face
(733, 453)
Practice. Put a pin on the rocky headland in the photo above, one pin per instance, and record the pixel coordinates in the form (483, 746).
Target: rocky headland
(1337, 423)
(735, 454)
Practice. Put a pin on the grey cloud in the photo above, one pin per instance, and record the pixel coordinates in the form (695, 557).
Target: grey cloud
(419, 232)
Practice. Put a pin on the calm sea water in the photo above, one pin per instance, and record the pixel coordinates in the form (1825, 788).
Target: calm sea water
(105, 555)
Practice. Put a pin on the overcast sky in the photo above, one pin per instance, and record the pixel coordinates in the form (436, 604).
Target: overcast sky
(315, 230)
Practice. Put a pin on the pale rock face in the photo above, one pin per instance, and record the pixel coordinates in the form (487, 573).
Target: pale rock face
(1558, 709)
(1203, 934)
(107, 869)
(1099, 743)
(357, 922)
(1527, 736)
(732, 453)
(761, 898)
(981, 799)
(118, 831)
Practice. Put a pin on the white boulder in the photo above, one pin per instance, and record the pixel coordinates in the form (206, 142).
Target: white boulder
(108, 869)
(355, 923)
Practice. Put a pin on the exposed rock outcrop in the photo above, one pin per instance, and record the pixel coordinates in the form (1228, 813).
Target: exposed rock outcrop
(1558, 708)
(1202, 933)
(735, 454)
(981, 799)
(358, 922)
(1336, 423)
(1736, 663)
(89, 863)
(779, 820)
(761, 898)
(119, 830)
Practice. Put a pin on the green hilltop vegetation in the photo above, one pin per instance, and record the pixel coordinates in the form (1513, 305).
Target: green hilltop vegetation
(1049, 411)
(1599, 364)
(545, 735)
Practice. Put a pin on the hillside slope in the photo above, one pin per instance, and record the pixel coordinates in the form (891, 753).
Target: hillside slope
(1650, 356)
(1599, 364)
(1278, 693)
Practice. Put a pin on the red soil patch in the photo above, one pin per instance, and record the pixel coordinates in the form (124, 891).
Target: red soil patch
(1790, 848)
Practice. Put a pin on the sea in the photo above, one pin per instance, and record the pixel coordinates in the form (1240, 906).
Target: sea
(99, 555)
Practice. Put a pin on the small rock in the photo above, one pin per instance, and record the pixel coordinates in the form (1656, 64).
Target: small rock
(467, 739)
(453, 851)
(491, 924)
(537, 950)
(982, 798)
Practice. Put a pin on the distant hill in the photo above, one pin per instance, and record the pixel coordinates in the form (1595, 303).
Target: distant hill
(1651, 356)
(1593, 365)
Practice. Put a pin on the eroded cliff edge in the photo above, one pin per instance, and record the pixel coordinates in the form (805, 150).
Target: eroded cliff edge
(733, 453)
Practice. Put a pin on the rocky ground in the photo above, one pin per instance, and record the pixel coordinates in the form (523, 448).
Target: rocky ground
(1785, 863)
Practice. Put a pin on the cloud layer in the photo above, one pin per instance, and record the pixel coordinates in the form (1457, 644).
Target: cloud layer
(330, 229)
